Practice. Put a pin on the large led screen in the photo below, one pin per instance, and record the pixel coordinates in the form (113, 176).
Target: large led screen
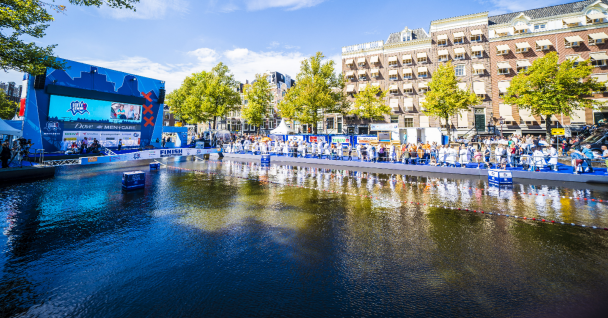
(64, 108)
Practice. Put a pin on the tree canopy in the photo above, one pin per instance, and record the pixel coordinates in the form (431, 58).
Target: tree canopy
(318, 91)
(23, 18)
(8, 108)
(550, 88)
(204, 96)
(258, 96)
(369, 104)
(444, 98)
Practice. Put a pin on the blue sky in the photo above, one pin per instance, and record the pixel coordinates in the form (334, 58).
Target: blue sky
(170, 39)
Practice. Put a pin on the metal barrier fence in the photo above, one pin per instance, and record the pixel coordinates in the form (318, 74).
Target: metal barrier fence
(527, 161)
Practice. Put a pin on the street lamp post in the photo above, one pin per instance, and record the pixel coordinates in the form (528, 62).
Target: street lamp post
(501, 120)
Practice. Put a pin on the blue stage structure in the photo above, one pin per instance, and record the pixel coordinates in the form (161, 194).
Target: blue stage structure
(133, 180)
(94, 102)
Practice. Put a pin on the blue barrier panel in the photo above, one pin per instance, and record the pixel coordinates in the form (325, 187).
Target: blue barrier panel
(133, 180)
(500, 177)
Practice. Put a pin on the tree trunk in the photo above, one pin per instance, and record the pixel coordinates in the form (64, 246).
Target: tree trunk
(548, 128)
(447, 128)
(214, 120)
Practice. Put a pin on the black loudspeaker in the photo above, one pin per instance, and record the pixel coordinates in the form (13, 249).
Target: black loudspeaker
(39, 81)
(161, 96)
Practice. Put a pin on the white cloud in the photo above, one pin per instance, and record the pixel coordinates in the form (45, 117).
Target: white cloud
(274, 44)
(505, 6)
(147, 9)
(289, 47)
(243, 63)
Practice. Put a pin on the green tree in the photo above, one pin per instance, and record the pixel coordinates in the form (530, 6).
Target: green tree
(549, 88)
(205, 96)
(318, 91)
(259, 97)
(369, 104)
(444, 99)
(8, 108)
(30, 18)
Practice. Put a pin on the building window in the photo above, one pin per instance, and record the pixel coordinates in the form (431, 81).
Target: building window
(481, 96)
(477, 54)
(459, 40)
(392, 63)
(595, 41)
(362, 77)
(407, 61)
(540, 27)
(394, 90)
(422, 59)
(502, 52)
(330, 123)
(521, 50)
(522, 69)
(443, 58)
(476, 38)
(407, 75)
(394, 119)
(406, 37)
(598, 63)
(423, 90)
(442, 42)
(409, 122)
(503, 71)
(408, 90)
(459, 56)
(422, 74)
(459, 70)
(571, 44)
(393, 77)
(479, 71)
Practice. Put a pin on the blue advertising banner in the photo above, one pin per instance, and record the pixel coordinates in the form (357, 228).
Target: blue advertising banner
(65, 108)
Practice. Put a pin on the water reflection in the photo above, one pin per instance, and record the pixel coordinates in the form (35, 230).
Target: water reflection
(240, 242)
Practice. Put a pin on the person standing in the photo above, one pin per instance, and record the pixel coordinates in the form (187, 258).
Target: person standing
(5, 155)
(588, 157)
(164, 142)
(119, 144)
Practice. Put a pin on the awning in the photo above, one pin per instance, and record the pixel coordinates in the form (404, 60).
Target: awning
(421, 100)
(521, 27)
(376, 84)
(478, 66)
(407, 57)
(598, 56)
(594, 16)
(598, 36)
(503, 65)
(579, 116)
(408, 86)
(526, 115)
(361, 72)
(476, 32)
(477, 48)
(503, 47)
(505, 30)
(350, 88)
(503, 85)
(361, 60)
(374, 59)
(543, 42)
(375, 71)
(392, 59)
(600, 78)
(362, 87)
(459, 35)
(523, 63)
(576, 58)
(421, 55)
(462, 86)
(459, 50)
(572, 21)
(350, 73)
(394, 103)
(442, 52)
(392, 72)
(462, 119)
(506, 112)
(407, 71)
(423, 85)
(422, 69)
(424, 121)
(522, 45)
(393, 88)
(408, 102)
(350, 61)
(479, 88)
(575, 38)
(442, 37)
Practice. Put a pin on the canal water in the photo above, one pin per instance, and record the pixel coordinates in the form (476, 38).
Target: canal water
(236, 239)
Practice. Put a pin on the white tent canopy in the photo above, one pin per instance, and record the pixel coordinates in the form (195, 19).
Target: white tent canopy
(281, 129)
(6, 129)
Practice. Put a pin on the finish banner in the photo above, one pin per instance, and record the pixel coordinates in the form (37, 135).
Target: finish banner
(148, 154)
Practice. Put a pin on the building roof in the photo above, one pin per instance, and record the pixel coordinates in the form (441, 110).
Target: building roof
(543, 12)
(417, 34)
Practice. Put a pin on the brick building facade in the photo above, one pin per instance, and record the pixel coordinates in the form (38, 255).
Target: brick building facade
(486, 52)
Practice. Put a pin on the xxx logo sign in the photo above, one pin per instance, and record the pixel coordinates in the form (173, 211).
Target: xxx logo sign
(148, 109)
